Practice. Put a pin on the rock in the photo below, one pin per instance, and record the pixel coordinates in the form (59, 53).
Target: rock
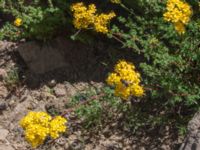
(89, 147)
(74, 143)
(66, 146)
(52, 83)
(61, 141)
(71, 90)
(53, 148)
(5, 45)
(77, 145)
(60, 90)
(3, 106)
(6, 147)
(192, 139)
(3, 134)
(3, 74)
(109, 144)
(106, 131)
(142, 148)
(80, 86)
(3, 91)
(54, 108)
(42, 58)
(56, 148)
(165, 147)
(11, 103)
(20, 110)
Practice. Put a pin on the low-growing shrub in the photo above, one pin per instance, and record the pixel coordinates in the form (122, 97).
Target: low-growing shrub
(35, 19)
(97, 107)
(170, 60)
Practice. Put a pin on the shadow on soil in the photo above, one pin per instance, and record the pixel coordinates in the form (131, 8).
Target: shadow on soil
(83, 63)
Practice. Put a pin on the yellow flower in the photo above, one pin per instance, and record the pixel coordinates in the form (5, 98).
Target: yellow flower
(36, 134)
(57, 125)
(86, 17)
(39, 125)
(18, 22)
(113, 79)
(179, 13)
(137, 90)
(125, 80)
(101, 21)
(83, 16)
(122, 91)
(180, 28)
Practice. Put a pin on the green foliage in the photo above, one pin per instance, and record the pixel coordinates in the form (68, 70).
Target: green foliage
(12, 78)
(40, 20)
(9, 31)
(182, 130)
(98, 108)
(96, 112)
(170, 63)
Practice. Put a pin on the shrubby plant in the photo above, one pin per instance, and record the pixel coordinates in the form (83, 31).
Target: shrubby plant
(99, 107)
(36, 19)
(170, 59)
(12, 80)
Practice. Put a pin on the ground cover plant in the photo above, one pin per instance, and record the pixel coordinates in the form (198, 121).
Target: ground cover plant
(161, 87)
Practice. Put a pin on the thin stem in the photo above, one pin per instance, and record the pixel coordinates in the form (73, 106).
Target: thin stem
(127, 9)
(76, 33)
(119, 40)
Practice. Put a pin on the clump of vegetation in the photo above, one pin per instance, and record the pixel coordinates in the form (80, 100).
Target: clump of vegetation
(96, 108)
(34, 20)
(12, 79)
(170, 60)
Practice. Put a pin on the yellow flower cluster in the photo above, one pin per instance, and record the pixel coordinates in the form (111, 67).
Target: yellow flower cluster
(85, 17)
(39, 125)
(179, 13)
(18, 22)
(57, 125)
(125, 80)
(115, 1)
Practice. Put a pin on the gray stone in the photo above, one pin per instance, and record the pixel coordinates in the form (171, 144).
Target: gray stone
(20, 110)
(61, 141)
(71, 90)
(3, 106)
(6, 147)
(41, 58)
(3, 134)
(3, 73)
(5, 45)
(60, 90)
(3, 91)
(66, 146)
(192, 139)
(52, 83)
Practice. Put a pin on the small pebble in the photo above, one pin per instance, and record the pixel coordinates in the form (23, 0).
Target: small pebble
(3, 106)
